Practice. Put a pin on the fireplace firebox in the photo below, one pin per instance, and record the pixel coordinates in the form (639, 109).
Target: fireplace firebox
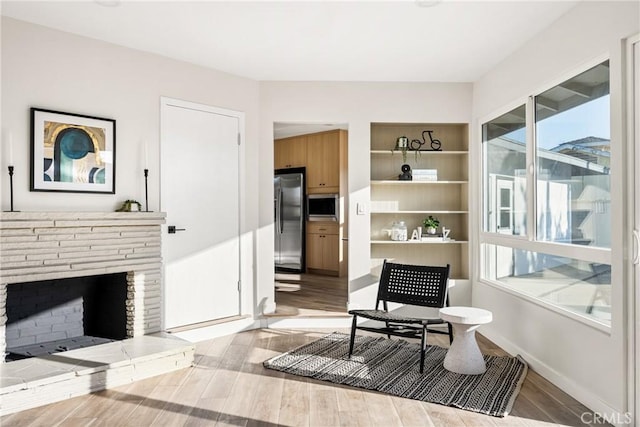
(52, 316)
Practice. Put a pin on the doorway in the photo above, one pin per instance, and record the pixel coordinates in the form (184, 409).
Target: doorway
(200, 192)
(318, 153)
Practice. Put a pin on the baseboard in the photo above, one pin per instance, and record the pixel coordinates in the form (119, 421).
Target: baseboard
(245, 324)
(307, 322)
(587, 398)
(218, 330)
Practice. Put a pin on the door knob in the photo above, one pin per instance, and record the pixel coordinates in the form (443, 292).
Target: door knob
(172, 229)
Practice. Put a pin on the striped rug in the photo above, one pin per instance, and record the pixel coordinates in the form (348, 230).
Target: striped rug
(391, 366)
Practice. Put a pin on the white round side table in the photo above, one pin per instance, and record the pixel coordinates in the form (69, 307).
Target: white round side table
(464, 356)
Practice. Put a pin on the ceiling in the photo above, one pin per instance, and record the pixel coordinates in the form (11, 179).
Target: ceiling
(399, 41)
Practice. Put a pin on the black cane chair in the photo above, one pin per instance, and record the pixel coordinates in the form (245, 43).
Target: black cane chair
(417, 285)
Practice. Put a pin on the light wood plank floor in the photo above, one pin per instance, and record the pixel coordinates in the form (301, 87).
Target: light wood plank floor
(228, 386)
(310, 295)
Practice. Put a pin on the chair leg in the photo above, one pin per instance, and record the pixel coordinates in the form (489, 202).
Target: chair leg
(387, 325)
(353, 333)
(450, 333)
(423, 347)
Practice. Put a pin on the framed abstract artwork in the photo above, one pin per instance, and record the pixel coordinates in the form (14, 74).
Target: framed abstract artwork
(72, 152)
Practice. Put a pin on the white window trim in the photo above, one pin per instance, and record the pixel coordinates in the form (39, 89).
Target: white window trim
(587, 320)
(582, 253)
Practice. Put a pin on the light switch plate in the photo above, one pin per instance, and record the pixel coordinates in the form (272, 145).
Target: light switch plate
(360, 208)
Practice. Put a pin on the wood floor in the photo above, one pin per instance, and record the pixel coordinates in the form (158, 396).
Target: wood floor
(309, 295)
(228, 386)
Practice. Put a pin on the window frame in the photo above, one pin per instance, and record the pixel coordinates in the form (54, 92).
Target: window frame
(529, 241)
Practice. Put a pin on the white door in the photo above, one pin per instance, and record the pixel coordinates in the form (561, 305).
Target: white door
(200, 194)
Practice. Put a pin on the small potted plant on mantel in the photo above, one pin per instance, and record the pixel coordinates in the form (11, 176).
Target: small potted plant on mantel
(431, 224)
(130, 206)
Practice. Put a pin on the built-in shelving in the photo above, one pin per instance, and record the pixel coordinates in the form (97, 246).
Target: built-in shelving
(420, 153)
(398, 182)
(418, 242)
(447, 198)
(418, 212)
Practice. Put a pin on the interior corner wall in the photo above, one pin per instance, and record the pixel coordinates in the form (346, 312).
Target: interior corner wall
(358, 105)
(587, 363)
(51, 69)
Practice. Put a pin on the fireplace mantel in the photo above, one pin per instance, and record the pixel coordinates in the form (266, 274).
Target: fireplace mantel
(38, 246)
(52, 245)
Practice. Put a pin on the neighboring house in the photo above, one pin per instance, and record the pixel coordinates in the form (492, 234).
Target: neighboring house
(576, 175)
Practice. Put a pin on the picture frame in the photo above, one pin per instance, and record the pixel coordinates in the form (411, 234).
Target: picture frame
(72, 153)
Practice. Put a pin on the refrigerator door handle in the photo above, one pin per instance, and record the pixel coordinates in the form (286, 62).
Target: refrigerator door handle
(280, 210)
(277, 208)
(276, 214)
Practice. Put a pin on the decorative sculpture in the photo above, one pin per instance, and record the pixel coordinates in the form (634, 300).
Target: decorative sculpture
(416, 144)
(406, 173)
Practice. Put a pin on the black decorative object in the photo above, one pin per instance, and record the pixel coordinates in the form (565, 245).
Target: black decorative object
(11, 186)
(416, 144)
(406, 173)
(146, 189)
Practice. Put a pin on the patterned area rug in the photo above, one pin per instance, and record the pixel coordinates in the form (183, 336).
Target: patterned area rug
(391, 366)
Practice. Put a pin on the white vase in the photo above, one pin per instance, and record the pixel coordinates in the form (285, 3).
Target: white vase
(431, 230)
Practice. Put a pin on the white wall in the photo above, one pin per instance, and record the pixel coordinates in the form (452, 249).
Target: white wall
(586, 362)
(357, 104)
(51, 69)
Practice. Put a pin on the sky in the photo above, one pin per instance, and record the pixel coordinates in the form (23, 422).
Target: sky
(588, 119)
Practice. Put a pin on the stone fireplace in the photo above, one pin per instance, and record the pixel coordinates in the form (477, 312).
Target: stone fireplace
(40, 251)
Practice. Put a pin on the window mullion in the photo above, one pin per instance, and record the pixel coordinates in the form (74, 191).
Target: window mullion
(532, 226)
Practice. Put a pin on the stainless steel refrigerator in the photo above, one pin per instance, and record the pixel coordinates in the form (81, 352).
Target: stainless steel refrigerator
(289, 194)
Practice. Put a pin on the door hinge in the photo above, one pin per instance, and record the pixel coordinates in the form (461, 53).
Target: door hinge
(238, 138)
(238, 285)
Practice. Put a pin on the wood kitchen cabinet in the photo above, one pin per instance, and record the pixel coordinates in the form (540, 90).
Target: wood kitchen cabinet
(324, 153)
(290, 152)
(323, 247)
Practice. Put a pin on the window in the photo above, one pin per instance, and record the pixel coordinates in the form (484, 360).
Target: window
(546, 180)
(573, 158)
(578, 286)
(505, 179)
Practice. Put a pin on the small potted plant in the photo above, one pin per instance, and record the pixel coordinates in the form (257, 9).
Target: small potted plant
(431, 224)
(130, 206)
(402, 144)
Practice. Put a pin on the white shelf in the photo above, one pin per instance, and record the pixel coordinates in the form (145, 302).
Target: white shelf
(399, 182)
(423, 152)
(417, 242)
(419, 212)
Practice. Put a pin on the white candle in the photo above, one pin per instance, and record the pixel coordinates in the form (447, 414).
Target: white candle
(10, 149)
(146, 155)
